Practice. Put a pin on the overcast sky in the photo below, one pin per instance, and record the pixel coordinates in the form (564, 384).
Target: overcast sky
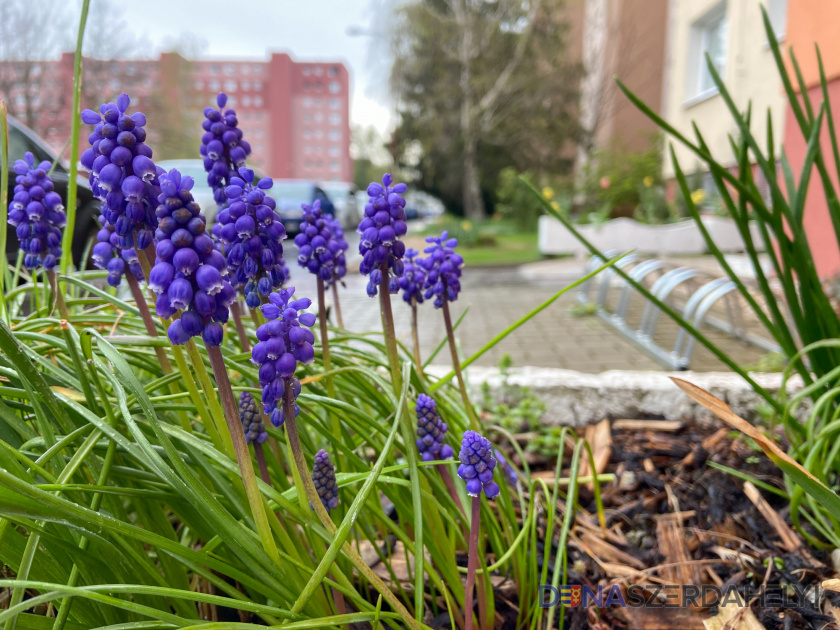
(308, 29)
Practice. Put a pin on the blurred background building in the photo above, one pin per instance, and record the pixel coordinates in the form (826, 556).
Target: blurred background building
(295, 114)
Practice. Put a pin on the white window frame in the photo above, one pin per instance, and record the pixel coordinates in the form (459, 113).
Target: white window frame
(698, 46)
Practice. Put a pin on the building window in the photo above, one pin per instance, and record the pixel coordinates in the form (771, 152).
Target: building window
(777, 12)
(214, 68)
(335, 134)
(257, 69)
(319, 117)
(199, 85)
(334, 151)
(318, 71)
(229, 69)
(307, 133)
(230, 85)
(333, 166)
(319, 102)
(215, 86)
(232, 101)
(307, 102)
(257, 86)
(335, 119)
(319, 86)
(335, 87)
(307, 149)
(36, 69)
(246, 101)
(319, 134)
(306, 71)
(307, 118)
(246, 69)
(333, 71)
(708, 37)
(246, 85)
(258, 101)
(130, 69)
(335, 103)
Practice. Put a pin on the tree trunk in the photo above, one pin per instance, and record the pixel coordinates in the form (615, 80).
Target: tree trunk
(473, 201)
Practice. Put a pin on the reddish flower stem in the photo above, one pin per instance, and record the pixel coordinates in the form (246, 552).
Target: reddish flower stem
(472, 562)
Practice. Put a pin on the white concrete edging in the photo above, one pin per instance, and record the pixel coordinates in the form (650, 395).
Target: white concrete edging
(625, 234)
(579, 398)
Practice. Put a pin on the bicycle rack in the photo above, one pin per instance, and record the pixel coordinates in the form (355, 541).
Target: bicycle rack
(696, 309)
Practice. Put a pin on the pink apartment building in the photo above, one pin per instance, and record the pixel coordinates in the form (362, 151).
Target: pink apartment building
(294, 114)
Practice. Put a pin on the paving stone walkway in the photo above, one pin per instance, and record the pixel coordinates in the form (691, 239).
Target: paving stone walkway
(554, 338)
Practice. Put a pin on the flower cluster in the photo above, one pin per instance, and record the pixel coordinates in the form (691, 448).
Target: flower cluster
(107, 254)
(323, 476)
(253, 237)
(413, 278)
(381, 228)
(511, 475)
(321, 244)
(188, 271)
(122, 173)
(222, 147)
(443, 269)
(283, 341)
(431, 430)
(251, 419)
(477, 465)
(37, 214)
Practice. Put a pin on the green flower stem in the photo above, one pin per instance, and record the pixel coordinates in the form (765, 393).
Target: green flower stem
(59, 299)
(416, 335)
(472, 560)
(243, 456)
(244, 342)
(326, 521)
(339, 320)
(75, 122)
(456, 364)
(407, 435)
(325, 350)
(255, 317)
(151, 330)
(217, 415)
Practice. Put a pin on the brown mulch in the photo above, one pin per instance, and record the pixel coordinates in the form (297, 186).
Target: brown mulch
(674, 520)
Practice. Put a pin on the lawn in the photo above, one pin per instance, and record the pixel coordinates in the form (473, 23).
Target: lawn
(509, 249)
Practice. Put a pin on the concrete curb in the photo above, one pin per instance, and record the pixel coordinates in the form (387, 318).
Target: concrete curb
(578, 398)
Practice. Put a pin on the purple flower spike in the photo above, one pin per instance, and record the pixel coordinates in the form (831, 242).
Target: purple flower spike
(321, 244)
(431, 431)
(323, 476)
(37, 214)
(122, 176)
(222, 147)
(477, 464)
(253, 236)
(251, 419)
(443, 269)
(384, 223)
(283, 341)
(189, 273)
(511, 475)
(414, 278)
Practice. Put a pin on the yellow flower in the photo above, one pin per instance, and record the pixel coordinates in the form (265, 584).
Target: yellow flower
(548, 193)
(698, 196)
(555, 205)
(466, 226)
(648, 181)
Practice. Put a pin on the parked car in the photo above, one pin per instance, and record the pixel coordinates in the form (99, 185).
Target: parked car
(23, 139)
(343, 196)
(202, 193)
(291, 193)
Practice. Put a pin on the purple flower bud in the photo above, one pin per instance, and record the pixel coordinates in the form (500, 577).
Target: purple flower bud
(323, 477)
(477, 464)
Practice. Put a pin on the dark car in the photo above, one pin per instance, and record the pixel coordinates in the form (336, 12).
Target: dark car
(23, 139)
(290, 194)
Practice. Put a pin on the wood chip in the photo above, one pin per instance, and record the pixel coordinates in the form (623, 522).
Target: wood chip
(671, 538)
(734, 616)
(652, 425)
(599, 437)
(790, 540)
(715, 438)
(607, 552)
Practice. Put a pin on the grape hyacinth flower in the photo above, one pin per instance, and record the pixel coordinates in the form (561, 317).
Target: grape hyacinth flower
(188, 275)
(321, 244)
(431, 431)
(510, 474)
(252, 423)
(37, 214)
(253, 237)
(381, 228)
(222, 147)
(443, 269)
(476, 469)
(413, 279)
(283, 340)
(477, 464)
(122, 174)
(108, 255)
(323, 476)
